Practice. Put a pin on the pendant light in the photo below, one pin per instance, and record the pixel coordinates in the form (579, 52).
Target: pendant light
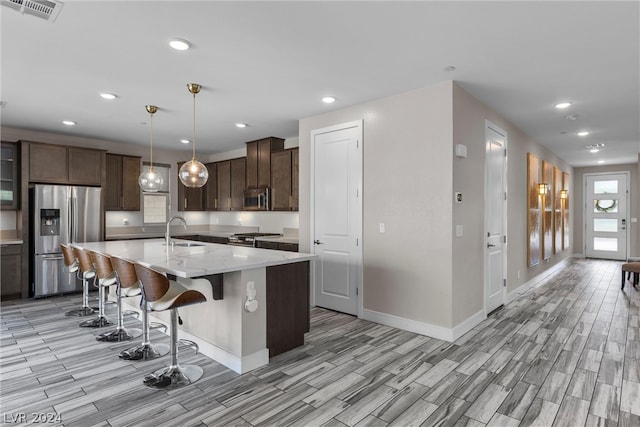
(193, 173)
(150, 181)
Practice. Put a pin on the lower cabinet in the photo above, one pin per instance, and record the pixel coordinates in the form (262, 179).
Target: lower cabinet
(280, 246)
(10, 272)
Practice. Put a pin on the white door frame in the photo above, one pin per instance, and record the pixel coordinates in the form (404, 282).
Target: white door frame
(312, 220)
(498, 130)
(627, 174)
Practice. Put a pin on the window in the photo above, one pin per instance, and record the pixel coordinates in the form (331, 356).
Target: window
(155, 206)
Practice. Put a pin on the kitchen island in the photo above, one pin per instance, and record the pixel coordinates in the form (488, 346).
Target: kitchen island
(228, 275)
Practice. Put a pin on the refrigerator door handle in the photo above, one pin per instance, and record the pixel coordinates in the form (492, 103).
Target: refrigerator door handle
(52, 257)
(69, 220)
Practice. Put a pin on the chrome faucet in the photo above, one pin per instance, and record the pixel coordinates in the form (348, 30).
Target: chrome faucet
(167, 236)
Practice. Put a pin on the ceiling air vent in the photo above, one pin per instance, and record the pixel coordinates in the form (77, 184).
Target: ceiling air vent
(45, 9)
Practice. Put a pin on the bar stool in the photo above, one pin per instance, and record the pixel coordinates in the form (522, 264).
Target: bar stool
(108, 277)
(88, 270)
(164, 294)
(631, 268)
(71, 262)
(131, 287)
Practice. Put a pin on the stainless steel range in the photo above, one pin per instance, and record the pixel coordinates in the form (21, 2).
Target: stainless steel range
(248, 239)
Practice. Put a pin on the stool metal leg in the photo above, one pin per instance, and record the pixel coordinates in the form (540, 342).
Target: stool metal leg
(146, 350)
(101, 320)
(174, 375)
(85, 310)
(120, 333)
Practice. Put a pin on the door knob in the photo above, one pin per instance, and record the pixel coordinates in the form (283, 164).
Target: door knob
(317, 242)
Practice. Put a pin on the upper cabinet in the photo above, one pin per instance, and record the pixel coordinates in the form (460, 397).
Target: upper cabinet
(211, 188)
(259, 160)
(59, 164)
(284, 180)
(231, 184)
(122, 190)
(189, 198)
(9, 184)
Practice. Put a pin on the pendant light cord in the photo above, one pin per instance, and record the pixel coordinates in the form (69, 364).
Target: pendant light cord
(151, 143)
(193, 157)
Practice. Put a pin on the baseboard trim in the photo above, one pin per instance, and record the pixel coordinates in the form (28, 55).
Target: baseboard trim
(424, 328)
(536, 281)
(468, 324)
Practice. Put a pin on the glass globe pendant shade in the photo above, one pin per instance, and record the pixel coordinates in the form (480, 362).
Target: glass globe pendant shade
(150, 181)
(193, 174)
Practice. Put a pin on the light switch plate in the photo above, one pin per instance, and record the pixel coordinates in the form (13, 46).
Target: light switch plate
(459, 230)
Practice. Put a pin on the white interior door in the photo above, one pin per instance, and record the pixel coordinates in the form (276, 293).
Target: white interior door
(337, 216)
(495, 217)
(606, 216)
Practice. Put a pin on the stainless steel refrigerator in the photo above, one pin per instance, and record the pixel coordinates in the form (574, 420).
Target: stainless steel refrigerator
(62, 214)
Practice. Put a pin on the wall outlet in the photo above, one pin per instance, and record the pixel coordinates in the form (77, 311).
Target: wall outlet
(382, 227)
(125, 221)
(459, 230)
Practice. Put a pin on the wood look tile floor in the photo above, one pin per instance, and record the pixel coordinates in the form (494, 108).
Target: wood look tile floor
(567, 353)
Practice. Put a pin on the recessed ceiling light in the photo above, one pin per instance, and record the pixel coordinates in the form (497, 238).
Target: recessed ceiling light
(600, 145)
(601, 161)
(185, 141)
(180, 44)
(109, 96)
(594, 150)
(583, 133)
(570, 117)
(562, 105)
(450, 68)
(241, 125)
(329, 99)
(69, 122)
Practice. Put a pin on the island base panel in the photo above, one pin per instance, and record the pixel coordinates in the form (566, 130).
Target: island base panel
(287, 306)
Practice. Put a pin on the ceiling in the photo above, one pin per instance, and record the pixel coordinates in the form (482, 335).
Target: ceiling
(268, 64)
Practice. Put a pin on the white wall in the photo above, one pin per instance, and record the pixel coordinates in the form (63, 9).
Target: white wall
(469, 116)
(418, 270)
(406, 185)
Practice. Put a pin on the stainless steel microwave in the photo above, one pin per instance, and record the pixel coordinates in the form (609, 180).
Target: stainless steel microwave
(257, 199)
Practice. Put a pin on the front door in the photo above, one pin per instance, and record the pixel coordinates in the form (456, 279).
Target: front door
(495, 213)
(606, 218)
(337, 215)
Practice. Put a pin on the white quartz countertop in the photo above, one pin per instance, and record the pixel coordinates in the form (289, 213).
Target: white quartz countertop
(194, 261)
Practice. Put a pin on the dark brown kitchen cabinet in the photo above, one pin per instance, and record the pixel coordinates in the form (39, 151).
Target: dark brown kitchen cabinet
(189, 198)
(122, 192)
(231, 184)
(284, 180)
(280, 246)
(9, 173)
(211, 188)
(259, 160)
(10, 271)
(59, 164)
